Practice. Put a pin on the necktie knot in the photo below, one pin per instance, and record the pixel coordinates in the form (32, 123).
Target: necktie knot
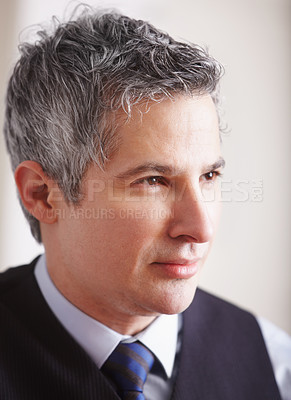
(128, 367)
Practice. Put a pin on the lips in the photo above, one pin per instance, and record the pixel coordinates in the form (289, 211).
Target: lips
(178, 269)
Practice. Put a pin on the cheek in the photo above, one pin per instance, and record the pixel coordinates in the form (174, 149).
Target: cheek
(125, 234)
(136, 227)
(114, 232)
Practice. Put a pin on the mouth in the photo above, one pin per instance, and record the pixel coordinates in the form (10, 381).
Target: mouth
(178, 269)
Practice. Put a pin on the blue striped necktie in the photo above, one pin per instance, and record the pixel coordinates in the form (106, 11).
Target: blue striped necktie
(127, 367)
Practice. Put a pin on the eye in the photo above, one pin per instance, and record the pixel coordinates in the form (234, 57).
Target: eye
(211, 176)
(155, 180)
(152, 181)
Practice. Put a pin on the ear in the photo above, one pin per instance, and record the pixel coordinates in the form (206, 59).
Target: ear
(39, 194)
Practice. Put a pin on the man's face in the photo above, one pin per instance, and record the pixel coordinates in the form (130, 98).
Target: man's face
(136, 244)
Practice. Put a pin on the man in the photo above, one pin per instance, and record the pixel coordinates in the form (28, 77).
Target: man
(113, 133)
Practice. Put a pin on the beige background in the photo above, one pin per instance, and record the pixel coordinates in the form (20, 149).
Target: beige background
(250, 262)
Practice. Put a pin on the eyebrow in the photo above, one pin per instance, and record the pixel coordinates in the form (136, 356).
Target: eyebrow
(163, 169)
(220, 163)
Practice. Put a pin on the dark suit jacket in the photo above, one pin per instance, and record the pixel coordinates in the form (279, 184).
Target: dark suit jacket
(223, 355)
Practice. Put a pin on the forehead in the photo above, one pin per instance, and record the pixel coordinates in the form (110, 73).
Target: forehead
(181, 130)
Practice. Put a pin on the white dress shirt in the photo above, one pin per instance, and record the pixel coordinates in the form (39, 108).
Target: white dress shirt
(99, 341)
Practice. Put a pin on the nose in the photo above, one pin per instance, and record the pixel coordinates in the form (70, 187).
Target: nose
(190, 217)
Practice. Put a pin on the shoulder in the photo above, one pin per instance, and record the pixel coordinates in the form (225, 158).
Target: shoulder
(278, 344)
(227, 320)
(13, 278)
(215, 335)
(216, 307)
(225, 330)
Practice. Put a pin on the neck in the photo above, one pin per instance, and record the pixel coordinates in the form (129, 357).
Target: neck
(120, 320)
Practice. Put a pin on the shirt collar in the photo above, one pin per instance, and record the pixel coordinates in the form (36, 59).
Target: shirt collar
(99, 340)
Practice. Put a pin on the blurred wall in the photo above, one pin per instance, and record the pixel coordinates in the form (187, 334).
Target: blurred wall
(250, 262)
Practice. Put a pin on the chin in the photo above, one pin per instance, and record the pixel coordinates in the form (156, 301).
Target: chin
(174, 302)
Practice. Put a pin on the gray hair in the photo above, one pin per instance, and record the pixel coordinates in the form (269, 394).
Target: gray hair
(67, 87)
